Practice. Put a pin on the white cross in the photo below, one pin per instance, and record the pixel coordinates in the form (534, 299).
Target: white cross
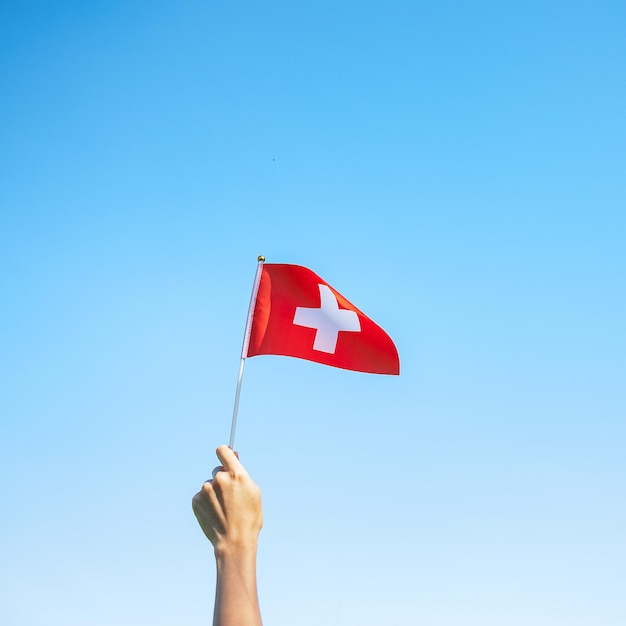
(329, 320)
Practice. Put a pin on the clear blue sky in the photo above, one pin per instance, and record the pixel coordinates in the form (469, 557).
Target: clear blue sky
(456, 169)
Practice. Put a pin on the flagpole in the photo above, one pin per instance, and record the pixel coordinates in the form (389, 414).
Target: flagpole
(244, 347)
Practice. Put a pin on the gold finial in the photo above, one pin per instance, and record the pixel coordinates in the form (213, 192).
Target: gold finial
(261, 259)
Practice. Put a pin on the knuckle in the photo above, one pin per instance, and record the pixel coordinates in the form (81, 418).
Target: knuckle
(219, 479)
(196, 501)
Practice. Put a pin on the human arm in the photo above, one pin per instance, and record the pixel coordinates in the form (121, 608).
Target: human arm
(229, 511)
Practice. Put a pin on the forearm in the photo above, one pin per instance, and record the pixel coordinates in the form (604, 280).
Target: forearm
(236, 599)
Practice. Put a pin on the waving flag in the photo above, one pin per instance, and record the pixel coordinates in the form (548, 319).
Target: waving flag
(296, 313)
(293, 312)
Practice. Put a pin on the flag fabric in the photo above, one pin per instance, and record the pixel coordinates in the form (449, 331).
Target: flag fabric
(296, 313)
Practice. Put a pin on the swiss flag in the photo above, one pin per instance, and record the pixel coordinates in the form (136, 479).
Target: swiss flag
(296, 313)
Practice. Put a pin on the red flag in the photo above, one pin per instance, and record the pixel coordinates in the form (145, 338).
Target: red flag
(298, 314)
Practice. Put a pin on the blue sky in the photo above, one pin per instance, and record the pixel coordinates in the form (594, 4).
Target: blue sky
(455, 169)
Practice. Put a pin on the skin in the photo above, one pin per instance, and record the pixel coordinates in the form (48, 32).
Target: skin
(229, 511)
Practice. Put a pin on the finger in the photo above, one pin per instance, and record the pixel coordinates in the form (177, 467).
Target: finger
(229, 459)
(208, 509)
(210, 495)
(219, 468)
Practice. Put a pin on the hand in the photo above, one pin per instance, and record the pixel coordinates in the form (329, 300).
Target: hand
(228, 508)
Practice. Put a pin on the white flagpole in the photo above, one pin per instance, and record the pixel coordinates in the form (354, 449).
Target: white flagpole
(244, 347)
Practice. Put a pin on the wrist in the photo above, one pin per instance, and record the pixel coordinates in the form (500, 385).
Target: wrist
(237, 549)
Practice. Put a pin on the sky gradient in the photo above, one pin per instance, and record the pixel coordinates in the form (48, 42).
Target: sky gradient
(455, 169)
